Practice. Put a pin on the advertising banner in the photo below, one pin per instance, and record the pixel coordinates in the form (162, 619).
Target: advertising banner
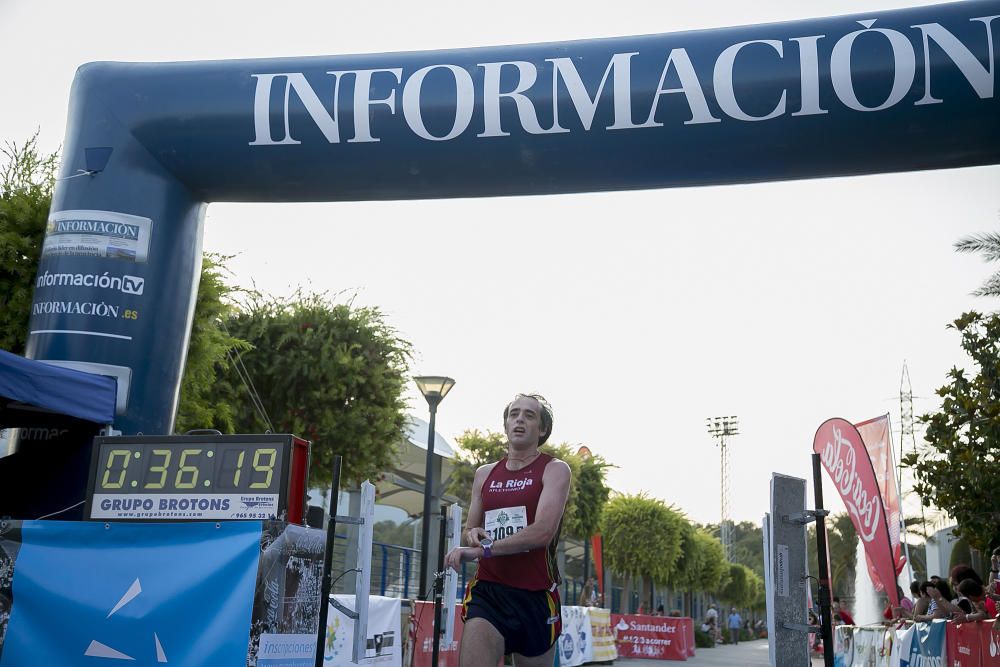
(989, 634)
(145, 593)
(287, 596)
(924, 646)
(422, 631)
(688, 624)
(845, 458)
(843, 646)
(655, 637)
(602, 636)
(877, 436)
(576, 640)
(385, 644)
(964, 645)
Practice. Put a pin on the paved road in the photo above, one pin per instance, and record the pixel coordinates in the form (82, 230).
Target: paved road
(746, 654)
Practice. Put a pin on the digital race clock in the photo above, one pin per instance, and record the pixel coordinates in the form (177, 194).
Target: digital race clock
(198, 477)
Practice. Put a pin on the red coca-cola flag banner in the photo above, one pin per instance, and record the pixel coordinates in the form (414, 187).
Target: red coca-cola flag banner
(877, 436)
(845, 458)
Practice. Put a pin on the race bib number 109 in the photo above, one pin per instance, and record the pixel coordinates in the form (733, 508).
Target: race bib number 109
(505, 522)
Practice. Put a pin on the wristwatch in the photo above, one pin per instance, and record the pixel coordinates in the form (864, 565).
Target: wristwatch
(487, 545)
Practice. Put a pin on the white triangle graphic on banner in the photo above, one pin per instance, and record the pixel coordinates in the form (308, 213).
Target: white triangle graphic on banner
(160, 655)
(130, 595)
(99, 650)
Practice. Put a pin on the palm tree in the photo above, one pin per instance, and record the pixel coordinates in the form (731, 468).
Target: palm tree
(987, 245)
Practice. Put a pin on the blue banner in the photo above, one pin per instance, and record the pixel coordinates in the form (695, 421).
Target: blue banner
(143, 594)
(926, 648)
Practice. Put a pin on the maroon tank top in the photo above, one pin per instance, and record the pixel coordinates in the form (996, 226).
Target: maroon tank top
(509, 501)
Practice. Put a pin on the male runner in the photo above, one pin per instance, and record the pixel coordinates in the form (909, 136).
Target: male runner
(512, 604)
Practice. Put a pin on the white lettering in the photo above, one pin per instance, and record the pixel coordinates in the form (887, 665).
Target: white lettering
(363, 100)
(689, 87)
(296, 81)
(722, 81)
(980, 78)
(526, 75)
(464, 93)
(809, 71)
(904, 61)
(586, 107)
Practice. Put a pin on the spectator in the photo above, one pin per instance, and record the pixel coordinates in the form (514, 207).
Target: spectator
(972, 592)
(659, 610)
(735, 623)
(588, 596)
(712, 619)
(920, 599)
(963, 572)
(845, 616)
(903, 611)
(940, 606)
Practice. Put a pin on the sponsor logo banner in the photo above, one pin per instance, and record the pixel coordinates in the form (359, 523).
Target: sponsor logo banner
(125, 283)
(188, 506)
(286, 601)
(105, 234)
(926, 645)
(877, 437)
(129, 593)
(422, 630)
(602, 636)
(576, 644)
(384, 645)
(845, 458)
(655, 637)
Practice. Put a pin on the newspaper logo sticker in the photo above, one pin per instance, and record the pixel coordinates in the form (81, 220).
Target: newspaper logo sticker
(106, 234)
(133, 284)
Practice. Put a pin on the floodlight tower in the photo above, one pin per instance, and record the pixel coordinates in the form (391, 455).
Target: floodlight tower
(906, 434)
(721, 428)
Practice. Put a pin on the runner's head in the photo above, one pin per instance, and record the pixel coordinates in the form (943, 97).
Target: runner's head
(527, 420)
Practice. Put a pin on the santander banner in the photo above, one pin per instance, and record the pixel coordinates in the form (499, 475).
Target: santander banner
(653, 637)
(875, 434)
(842, 451)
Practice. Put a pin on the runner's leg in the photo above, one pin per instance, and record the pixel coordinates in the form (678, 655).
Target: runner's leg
(544, 660)
(482, 644)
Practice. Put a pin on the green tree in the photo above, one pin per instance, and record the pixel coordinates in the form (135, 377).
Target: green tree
(642, 539)
(842, 544)
(987, 245)
(27, 178)
(956, 469)
(743, 588)
(702, 565)
(330, 372)
(210, 353)
(474, 449)
(588, 491)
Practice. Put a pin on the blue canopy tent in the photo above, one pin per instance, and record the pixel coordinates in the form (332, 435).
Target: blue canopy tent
(34, 392)
(58, 411)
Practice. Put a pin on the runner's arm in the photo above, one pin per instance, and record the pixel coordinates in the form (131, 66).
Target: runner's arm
(551, 504)
(474, 521)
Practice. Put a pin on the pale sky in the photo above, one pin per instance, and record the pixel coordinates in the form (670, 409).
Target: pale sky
(637, 314)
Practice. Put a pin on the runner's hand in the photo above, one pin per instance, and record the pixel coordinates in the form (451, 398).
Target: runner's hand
(457, 555)
(473, 535)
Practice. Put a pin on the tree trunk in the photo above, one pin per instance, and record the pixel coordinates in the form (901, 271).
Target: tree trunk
(626, 603)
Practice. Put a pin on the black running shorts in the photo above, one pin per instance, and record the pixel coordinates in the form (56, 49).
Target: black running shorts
(530, 621)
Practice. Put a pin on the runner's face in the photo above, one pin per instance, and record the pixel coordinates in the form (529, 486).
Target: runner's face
(524, 423)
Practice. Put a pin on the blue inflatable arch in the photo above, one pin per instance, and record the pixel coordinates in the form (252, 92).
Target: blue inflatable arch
(148, 145)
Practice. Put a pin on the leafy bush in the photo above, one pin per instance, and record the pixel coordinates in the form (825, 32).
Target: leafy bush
(703, 639)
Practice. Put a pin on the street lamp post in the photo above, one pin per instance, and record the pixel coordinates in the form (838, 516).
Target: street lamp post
(434, 389)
